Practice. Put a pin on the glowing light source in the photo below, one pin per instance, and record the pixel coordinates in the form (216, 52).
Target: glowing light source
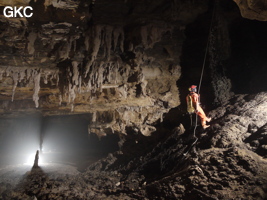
(30, 159)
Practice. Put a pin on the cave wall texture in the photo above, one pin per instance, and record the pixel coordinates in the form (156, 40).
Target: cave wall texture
(124, 67)
(118, 61)
(96, 57)
(127, 63)
(93, 57)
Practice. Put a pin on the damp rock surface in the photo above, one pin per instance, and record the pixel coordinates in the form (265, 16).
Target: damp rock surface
(126, 65)
(225, 161)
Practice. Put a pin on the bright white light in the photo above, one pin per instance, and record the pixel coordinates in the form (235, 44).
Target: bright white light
(30, 159)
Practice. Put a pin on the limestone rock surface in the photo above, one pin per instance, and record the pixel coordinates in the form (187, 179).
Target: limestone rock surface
(227, 161)
(255, 10)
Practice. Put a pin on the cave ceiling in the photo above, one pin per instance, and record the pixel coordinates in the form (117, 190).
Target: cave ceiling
(256, 10)
(115, 59)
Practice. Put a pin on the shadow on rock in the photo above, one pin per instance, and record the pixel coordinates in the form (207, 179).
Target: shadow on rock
(32, 183)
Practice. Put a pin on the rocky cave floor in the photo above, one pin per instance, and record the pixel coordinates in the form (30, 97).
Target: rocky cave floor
(228, 161)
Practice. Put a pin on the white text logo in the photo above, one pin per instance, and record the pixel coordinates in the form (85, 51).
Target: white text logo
(17, 12)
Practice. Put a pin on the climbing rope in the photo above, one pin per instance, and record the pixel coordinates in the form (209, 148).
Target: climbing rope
(204, 63)
(207, 46)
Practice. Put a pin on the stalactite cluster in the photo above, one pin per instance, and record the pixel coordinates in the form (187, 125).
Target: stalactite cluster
(29, 77)
(92, 66)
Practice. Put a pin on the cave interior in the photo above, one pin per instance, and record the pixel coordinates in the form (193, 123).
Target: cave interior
(98, 87)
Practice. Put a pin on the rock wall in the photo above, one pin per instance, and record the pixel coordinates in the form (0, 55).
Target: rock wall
(124, 73)
(219, 47)
(80, 60)
(228, 161)
(253, 9)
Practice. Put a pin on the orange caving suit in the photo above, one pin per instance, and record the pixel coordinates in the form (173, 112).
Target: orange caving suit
(199, 111)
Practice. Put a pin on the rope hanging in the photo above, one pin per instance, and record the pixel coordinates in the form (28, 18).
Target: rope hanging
(207, 46)
(204, 62)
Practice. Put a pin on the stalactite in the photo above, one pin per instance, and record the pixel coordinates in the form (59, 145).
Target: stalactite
(60, 99)
(118, 33)
(92, 75)
(15, 83)
(97, 36)
(112, 72)
(115, 71)
(72, 107)
(106, 37)
(87, 67)
(22, 75)
(8, 71)
(94, 117)
(56, 76)
(96, 41)
(65, 92)
(36, 77)
(87, 42)
(67, 49)
(75, 73)
(73, 78)
(161, 117)
(100, 77)
(28, 73)
(108, 40)
(45, 78)
(72, 95)
(89, 86)
(80, 84)
(50, 74)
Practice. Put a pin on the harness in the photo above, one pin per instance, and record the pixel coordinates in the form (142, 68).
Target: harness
(190, 106)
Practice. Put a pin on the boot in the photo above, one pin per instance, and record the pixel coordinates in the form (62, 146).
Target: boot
(208, 119)
(205, 126)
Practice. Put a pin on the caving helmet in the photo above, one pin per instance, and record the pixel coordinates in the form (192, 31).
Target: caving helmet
(193, 88)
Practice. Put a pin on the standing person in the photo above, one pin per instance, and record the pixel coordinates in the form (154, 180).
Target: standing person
(36, 159)
(193, 105)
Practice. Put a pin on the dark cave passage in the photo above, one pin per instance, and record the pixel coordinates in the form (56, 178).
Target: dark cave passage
(240, 58)
(64, 140)
(247, 64)
(194, 59)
